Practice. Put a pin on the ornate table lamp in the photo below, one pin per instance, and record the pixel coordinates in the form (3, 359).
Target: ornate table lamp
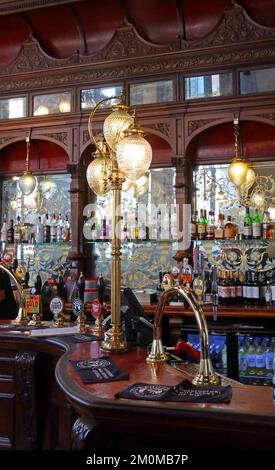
(122, 153)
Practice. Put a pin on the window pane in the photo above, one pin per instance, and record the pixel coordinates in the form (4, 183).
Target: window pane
(13, 108)
(153, 92)
(257, 81)
(53, 103)
(208, 86)
(92, 96)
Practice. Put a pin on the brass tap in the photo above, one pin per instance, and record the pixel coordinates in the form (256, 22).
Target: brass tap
(206, 374)
(22, 317)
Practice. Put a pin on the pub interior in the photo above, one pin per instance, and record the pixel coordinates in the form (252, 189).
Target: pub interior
(137, 285)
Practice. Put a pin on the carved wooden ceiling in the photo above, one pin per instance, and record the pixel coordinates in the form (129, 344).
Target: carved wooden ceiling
(64, 27)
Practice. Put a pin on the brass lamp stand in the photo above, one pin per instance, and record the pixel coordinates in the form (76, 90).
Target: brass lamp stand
(105, 172)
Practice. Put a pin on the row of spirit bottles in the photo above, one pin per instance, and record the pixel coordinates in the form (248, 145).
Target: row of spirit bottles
(46, 230)
(256, 226)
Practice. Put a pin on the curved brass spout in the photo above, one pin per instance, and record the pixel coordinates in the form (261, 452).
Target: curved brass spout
(22, 318)
(206, 374)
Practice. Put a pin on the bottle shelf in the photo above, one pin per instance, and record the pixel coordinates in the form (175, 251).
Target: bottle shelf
(234, 241)
(33, 245)
(136, 242)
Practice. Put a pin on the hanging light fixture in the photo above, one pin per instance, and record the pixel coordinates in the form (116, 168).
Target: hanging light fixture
(115, 124)
(237, 170)
(27, 182)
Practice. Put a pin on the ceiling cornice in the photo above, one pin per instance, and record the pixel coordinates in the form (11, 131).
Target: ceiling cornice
(15, 6)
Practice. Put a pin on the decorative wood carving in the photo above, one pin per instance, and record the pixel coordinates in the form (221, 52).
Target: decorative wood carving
(60, 137)
(234, 26)
(162, 127)
(126, 43)
(25, 392)
(4, 140)
(270, 116)
(194, 125)
(81, 431)
(10, 6)
(150, 67)
(31, 58)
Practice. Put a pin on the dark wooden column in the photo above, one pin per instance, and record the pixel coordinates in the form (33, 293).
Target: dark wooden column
(77, 205)
(183, 187)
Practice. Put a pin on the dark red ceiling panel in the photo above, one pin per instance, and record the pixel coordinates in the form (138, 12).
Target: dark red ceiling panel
(100, 20)
(261, 11)
(156, 20)
(43, 154)
(13, 32)
(217, 142)
(202, 16)
(56, 30)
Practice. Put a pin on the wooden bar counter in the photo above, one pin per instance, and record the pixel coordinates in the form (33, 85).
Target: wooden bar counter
(42, 400)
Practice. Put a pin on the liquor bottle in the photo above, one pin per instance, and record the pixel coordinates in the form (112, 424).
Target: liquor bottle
(265, 225)
(268, 294)
(66, 230)
(251, 357)
(256, 289)
(10, 233)
(4, 236)
(59, 229)
(249, 289)
(39, 231)
(260, 358)
(229, 229)
(186, 272)
(232, 288)
(18, 231)
(245, 289)
(210, 227)
(47, 229)
(247, 225)
(219, 230)
(269, 357)
(202, 226)
(53, 229)
(256, 225)
(242, 359)
(38, 284)
(194, 224)
(238, 287)
(272, 286)
(81, 286)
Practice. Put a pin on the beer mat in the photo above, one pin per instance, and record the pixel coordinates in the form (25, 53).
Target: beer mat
(185, 391)
(85, 338)
(21, 327)
(99, 370)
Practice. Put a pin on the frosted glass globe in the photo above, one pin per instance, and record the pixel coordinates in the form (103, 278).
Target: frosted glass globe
(97, 172)
(134, 155)
(27, 183)
(237, 172)
(114, 126)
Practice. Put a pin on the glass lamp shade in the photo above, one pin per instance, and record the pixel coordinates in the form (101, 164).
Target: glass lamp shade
(127, 185)
(134, 155)
(27, 183)
(114, 126)
(64, 106)
(249, 179)
(141, 185)
(258, 199)
(237, 171)
(97, 175)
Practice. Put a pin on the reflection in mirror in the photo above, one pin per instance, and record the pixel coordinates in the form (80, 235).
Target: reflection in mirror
(257, 81)
(52, 103)
(213, 191)
(208, 86)
(91, 96)
(13, 108)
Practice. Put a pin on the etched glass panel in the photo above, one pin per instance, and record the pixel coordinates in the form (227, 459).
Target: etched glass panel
(52, 103)
(208, 86)
(11, 108)
(91, 96)
(257, 81)
(151, 92)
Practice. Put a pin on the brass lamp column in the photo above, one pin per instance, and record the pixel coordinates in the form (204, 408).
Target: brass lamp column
(119, 128)
(114, 340)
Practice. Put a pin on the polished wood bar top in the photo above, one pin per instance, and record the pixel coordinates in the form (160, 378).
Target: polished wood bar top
(248, 419)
